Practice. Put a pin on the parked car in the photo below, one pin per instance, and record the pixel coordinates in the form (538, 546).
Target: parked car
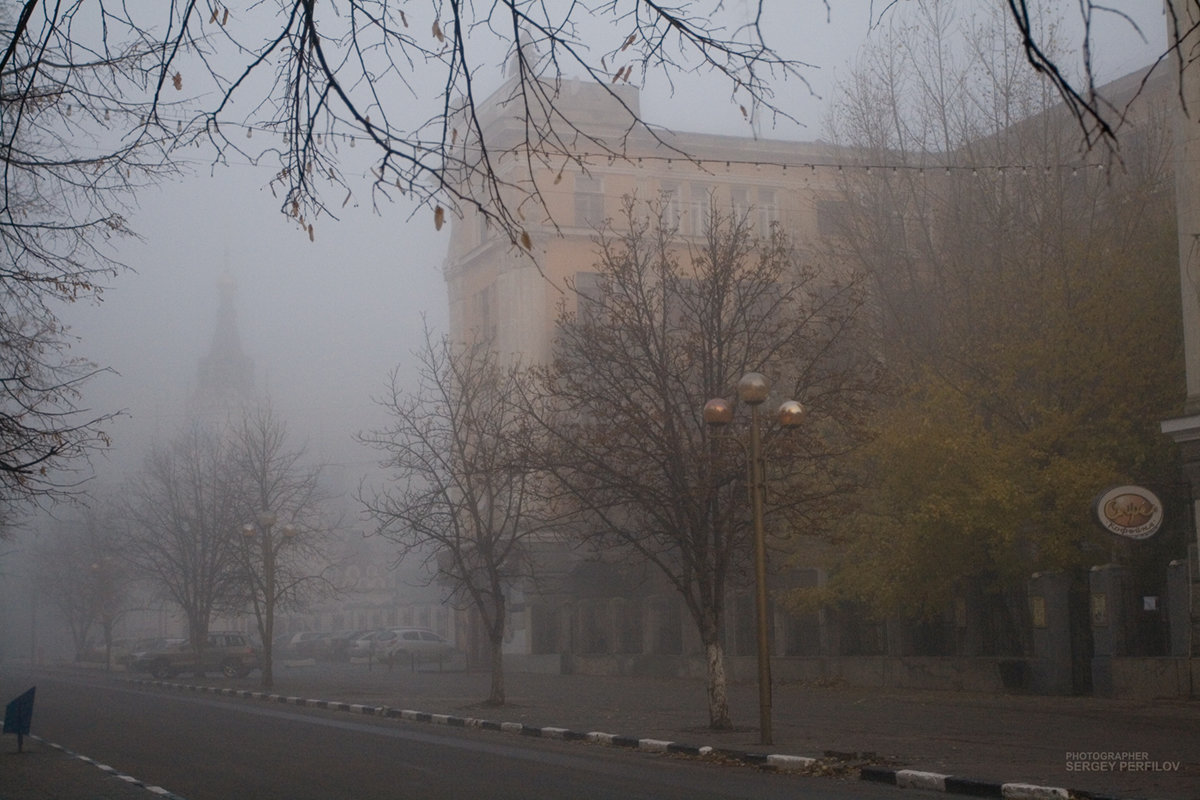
(340, 644)
(412, 646)
(228, 652)
(363, 646)
(307, 644)
(145, 645)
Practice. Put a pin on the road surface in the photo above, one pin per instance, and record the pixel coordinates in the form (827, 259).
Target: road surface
(199, 747)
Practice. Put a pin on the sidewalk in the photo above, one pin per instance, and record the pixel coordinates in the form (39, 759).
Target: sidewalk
(1152, 748)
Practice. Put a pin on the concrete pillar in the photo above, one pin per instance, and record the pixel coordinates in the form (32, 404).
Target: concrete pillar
(1179, 606)
(1109, 610)
(1050, 667)
(898, 639)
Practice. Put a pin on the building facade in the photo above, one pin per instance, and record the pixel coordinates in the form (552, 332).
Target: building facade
(584, 615)
(581, 614)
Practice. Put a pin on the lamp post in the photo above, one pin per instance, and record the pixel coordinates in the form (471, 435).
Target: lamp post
(752, 390)
(270, 547)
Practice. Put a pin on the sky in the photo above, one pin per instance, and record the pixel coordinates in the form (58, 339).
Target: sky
(326, 321)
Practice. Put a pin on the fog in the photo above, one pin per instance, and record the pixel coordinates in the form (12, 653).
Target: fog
(324, 321)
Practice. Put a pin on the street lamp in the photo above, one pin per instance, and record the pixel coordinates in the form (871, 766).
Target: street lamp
(270, 549)
(752, 390)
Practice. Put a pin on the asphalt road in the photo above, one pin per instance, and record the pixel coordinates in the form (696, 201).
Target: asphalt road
(199, 747)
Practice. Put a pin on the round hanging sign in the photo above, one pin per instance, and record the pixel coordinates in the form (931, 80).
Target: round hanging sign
(1130, 511)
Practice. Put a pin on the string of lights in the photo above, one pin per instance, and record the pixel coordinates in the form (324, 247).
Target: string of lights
(709, 164)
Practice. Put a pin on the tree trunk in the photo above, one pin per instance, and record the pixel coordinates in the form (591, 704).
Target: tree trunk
(497, 696)
(718, 696)
(267, 665)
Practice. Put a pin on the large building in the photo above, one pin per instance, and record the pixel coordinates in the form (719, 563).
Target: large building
(503, 293)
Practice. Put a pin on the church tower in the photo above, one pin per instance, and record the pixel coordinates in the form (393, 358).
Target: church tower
(225, 378)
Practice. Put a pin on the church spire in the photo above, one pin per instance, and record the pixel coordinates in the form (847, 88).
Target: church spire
(225, 378)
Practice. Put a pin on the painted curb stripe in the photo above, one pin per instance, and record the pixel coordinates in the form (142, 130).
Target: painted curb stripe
(110, 771)
(913, 779)
(903, 778)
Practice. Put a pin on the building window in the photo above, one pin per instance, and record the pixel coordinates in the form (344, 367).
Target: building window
(700, 208)
(768, 211)
(593, 624)
(628, 617)
(589, 297)
(589, 202)
(667, 621)
(669, 192)
(544, 624)
(486, 318)
(739, 203)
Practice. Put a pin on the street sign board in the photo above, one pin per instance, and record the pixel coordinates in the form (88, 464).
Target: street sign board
(18, 715)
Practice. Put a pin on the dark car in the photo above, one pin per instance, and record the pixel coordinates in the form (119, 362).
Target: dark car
(228, 652)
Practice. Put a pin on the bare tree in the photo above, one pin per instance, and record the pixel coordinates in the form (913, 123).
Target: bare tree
(82, 567)
(1099, 117)
(185, 519)
(67, 170)
(283, 552)
(98, 99)
(660, 329)
(463, 498)
(313, 78)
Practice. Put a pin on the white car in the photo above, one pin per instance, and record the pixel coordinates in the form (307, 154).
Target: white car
(411, 646)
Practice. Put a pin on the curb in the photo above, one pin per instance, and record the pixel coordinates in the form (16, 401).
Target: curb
(950, 784)
(900, 778)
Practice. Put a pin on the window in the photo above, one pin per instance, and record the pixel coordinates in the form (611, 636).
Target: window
(700, 208)
(669, 192)
(486, 320)
(739, 203)
(667, 619)
(589, 202)
(545, 621)
(589, 296)
(768, 211)
(628, 617)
